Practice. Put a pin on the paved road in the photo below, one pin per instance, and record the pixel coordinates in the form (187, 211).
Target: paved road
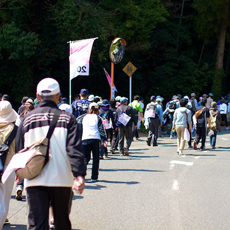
(153, 188)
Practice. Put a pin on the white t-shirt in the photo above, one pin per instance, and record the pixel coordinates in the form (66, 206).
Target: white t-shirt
(90, 127)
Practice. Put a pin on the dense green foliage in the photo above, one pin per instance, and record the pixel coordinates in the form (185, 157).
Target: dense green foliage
(174, 50)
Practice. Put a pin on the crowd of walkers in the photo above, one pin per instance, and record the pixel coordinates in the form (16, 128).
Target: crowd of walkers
(83, 129)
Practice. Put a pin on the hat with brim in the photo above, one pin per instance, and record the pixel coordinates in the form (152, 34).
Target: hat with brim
(7, 114)
(93, 105)
(105, 102)
(123, 99)
(48, 87)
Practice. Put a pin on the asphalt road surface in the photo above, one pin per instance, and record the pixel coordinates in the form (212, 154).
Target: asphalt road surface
(153, 188)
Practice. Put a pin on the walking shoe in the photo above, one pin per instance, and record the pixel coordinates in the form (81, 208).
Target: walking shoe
(52, 224)
(213, 147)
(148, 143)
(19, 195)
(155, 145)
(101, 157)
(126, 151)
(112, 151)
(194, 145)
(6, 222)
(121, 154)
(180, 153)
(178, 150)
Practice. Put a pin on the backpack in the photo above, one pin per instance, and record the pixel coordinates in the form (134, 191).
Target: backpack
(151, 111)
(123, 118)
(213, 122)
(172, 106)
(105, 119)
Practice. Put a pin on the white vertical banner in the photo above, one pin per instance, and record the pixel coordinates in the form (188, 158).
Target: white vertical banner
(79, 58)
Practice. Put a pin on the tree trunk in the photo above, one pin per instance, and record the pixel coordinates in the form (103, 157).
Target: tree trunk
(219, 72)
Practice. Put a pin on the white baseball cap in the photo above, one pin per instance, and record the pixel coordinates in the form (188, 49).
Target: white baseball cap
(47, 87)
(93, 105)
(91, 97)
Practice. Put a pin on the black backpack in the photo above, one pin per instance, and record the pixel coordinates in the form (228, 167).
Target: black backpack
(172, 106)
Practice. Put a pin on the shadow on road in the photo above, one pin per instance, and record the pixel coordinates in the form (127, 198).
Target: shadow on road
(15, 226)
(201, 155)
(77, 197)
(130, 170)
(120, 182)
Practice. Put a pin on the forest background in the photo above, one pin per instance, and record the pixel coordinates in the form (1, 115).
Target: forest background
(178, 46)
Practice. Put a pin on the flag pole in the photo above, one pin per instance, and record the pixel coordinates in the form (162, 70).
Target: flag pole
(69, 77)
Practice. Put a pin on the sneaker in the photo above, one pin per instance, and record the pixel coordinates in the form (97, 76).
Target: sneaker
(148, 143)
(126, 151)
(178, 150)
(19, 195)
(6, 222)
(180, 153)
(101, 157)
(112, 151)
(213, 147)
(194, 145)
(52, 224)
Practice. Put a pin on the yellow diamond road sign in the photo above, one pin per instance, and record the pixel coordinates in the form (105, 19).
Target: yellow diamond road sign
(129, 69)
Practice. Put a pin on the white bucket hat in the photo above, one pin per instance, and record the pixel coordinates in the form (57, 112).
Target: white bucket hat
(7, 114)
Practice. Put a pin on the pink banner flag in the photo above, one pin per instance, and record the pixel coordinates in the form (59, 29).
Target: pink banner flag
(109, 80)
(79, 58)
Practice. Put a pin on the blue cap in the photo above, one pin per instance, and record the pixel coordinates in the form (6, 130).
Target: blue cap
(105, 102)
(84, 91)
(211, 95)
(123, 99)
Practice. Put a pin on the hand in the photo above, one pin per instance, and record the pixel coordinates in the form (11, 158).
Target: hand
(105, 144)
(17, 180)
(79, 184)
(173, 127)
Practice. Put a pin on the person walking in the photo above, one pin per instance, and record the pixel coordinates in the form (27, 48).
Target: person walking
(92, 133)
(8, 116)
(223, 112)
(153, 118)
(64, 170)
(137, 110)
(201, 123)
(215, 121)
(209, 100)
(181, 119)
(81, 106)
(125, 129)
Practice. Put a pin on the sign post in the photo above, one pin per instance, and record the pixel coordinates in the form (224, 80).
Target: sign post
(129, 69)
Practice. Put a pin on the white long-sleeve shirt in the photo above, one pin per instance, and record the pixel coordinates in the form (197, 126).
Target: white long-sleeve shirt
(223, 108)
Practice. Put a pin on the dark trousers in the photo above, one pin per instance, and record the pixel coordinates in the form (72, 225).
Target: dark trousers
(115, 140)
(224, 118)
(109, 133)
(201, 134)
(93, 147)
(135, 132)
(153, 130)
(123, 132)
(39, 199)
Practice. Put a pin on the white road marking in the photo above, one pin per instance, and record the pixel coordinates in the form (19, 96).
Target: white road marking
(175, 185)
(182, 163)
(225, 139)
(171, 166)
(197, 157)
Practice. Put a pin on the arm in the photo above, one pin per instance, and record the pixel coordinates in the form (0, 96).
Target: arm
(101, 130)
(19, 138)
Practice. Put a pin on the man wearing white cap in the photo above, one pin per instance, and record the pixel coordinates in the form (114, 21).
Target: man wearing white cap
(7, 131)
(66, 160)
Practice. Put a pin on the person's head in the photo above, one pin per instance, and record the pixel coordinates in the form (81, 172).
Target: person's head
(124, 100)
(203, 101)
(142, 99)
(118, 98)
(179, 96)
(97, 99)
(64, 100)
(48, 89)
(84, 93)
(29, 101)
(210, 95)
(7, 114)
(27, 107)
(158, 100)
(5, 97)
(136, 97)
(193, 95)
(76, 97)
(183, 102)
(24, 99)
(112, 103)
(205, 95)
(213, 105)
(105, 103)
(93, 108)
(152, 98)
(222, 101)
(91, 98)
